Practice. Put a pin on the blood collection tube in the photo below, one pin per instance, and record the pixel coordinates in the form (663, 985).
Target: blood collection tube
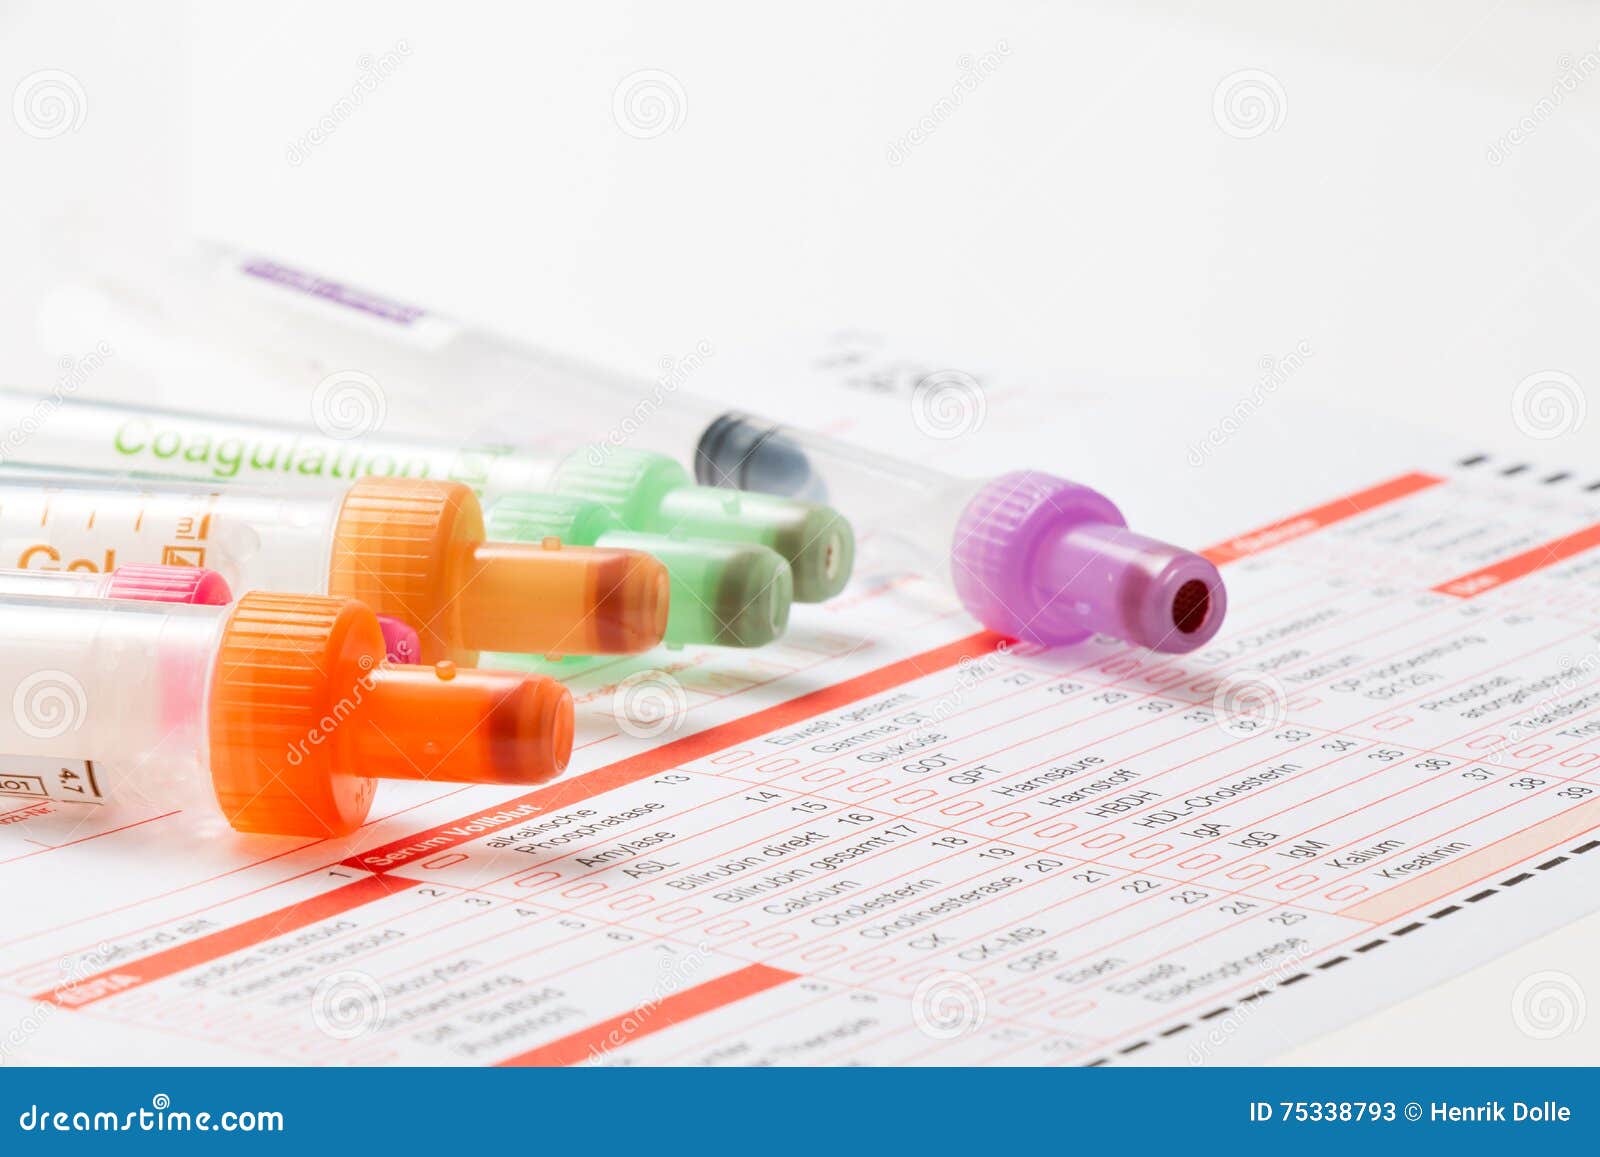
(155, 583)
(724, 593)
(188, 332)
(411, 549)
(277, 710)
(192, 585)
(1029, 554)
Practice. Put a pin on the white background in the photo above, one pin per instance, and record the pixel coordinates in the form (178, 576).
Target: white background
(1090, 216)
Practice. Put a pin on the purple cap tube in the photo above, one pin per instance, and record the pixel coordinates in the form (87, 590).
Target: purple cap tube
(1049, 561)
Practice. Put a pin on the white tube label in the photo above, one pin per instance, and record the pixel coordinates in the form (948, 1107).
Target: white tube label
(54, 780)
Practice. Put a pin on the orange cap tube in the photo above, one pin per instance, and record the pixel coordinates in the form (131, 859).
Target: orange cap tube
(462, 725)
(304, 718)
(415, 549)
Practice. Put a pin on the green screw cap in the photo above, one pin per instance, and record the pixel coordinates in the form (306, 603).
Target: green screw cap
(725, 594)
(653, 493)
(529, 516)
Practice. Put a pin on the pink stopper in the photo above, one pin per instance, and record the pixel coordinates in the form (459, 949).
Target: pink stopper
(152, 583)
(401, 643)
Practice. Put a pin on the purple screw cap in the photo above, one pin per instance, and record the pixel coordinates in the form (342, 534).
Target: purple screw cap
(1049, 561)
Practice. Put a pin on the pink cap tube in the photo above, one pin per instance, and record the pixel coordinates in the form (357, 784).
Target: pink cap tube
(401, 643)
(1049, 561)
(152, 583)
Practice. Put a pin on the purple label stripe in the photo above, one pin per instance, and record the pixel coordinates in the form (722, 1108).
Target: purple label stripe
(345, 295)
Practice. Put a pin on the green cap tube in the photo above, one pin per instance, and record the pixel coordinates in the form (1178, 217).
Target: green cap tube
(654, 493)
(722, 593)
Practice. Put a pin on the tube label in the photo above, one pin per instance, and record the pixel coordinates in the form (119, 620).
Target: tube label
(396, 317)
(54, 780)
(84, 435)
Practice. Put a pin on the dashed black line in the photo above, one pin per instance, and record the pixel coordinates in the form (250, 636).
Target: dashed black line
(1379, 942)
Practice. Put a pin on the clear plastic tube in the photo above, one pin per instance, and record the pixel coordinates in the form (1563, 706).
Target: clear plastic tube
(186, 335)
(276, 710)
(1030, 554)
(412, 550)
(723, 592)
(194, 586)
(155, 583)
